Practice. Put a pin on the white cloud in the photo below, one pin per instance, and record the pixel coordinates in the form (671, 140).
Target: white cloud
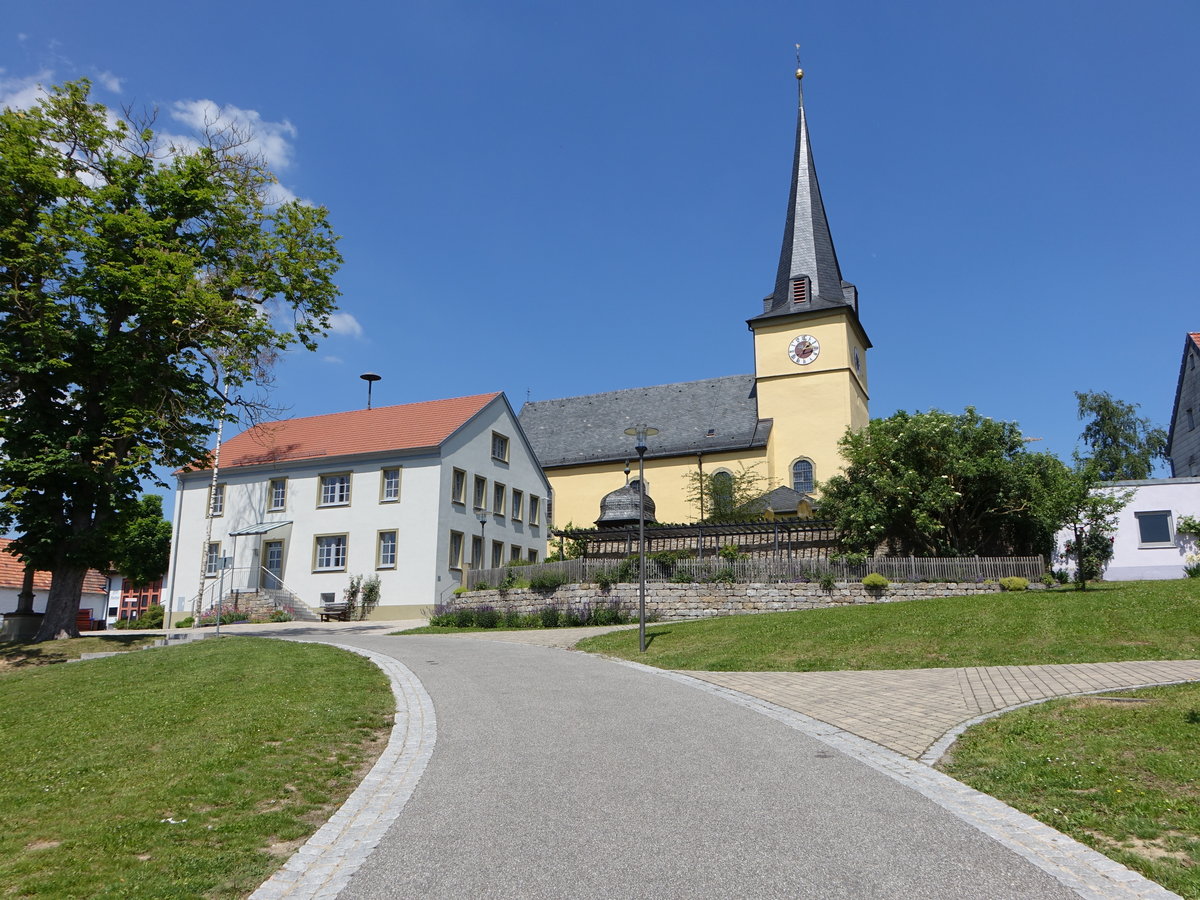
(270, 140)
(335, 360)
(345, 324)
(109, 82)
(22, 93)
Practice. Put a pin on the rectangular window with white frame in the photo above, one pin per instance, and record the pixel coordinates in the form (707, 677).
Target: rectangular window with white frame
(212, 559)
(480, 492)
(458, 486)
(518, 505)
(497, 554)
(389, 485)
(277, 495)
(476, 552)
(535, 510)
(499, 447)
(533, 556)
(456, 549)
(514, 553)
(329, 552)
(499, 498)
(217, 505)
(335, 489)
(386, 555)
(1154, 530)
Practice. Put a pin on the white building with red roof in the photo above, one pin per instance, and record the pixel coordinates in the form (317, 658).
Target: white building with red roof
(412, 493)
(94, 601)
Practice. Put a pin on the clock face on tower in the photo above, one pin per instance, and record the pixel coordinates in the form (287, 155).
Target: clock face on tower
(804, 350)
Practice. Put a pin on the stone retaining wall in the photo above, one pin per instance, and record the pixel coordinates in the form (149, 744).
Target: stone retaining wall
(698, 601)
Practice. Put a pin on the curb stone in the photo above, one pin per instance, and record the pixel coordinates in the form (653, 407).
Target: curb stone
(324, 865)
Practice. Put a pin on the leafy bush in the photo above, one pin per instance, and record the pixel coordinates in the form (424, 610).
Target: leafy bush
(151, 618)
(370, 597)
(510, 618)
(1049, 580)
(682, 578)
(828, 582)
(1062, 576)
(486, 617)
(1014, 583)
(730, 553)
(1191, 566)
(605, 579)
(545, 582)
(461, 589)
(875, 580)
(185, 623)
(549, 616)
(279, 615)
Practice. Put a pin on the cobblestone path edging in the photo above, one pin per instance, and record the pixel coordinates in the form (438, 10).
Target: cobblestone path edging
(1085, 871)
(326, 862)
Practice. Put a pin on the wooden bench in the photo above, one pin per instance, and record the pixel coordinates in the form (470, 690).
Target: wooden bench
(337, 611)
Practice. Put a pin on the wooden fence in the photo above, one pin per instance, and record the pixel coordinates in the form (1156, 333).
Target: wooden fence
(771, 571)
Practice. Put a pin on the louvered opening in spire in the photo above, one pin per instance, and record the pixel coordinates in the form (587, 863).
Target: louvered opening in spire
(800, 287)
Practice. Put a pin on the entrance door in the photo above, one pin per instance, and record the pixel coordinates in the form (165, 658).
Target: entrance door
(273, 565)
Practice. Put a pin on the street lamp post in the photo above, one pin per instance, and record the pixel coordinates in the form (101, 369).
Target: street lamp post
(640, 433)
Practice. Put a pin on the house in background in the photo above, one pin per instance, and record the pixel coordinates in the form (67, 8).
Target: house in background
(410, 493)
(1147, 544)
(1183, 442)
(93, 604)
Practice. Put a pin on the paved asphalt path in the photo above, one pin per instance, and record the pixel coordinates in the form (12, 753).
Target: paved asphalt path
(560, 774)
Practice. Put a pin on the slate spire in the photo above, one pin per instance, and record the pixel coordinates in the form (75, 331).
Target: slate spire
(808, 276)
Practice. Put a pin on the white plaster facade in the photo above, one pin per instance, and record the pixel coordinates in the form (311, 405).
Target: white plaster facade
(312, 547)
(1147, 544)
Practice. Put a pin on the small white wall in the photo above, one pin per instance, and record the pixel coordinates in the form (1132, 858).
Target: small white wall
(1131, 560)
(97, 603)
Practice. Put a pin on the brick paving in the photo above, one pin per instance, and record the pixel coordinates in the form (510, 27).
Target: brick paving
(918, 712)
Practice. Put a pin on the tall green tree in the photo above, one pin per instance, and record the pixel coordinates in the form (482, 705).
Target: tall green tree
(141, 545)
(1088, 509)
(1122, 444)
(144, 292)
(940, 484)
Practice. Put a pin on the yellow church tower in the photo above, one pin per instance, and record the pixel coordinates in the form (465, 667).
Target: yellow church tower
(810, 365)
(783, 422)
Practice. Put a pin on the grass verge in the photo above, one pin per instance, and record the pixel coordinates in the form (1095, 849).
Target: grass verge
(1112, 622)
(19, 655)
(1121, 775)
(184, 772)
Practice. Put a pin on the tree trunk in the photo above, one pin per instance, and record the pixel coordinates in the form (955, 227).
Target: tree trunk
(62, 604)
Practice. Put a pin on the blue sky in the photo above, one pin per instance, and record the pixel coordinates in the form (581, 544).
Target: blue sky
(553, 199)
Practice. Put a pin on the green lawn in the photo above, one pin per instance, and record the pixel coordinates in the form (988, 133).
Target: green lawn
(188, 771)
(1121, 776)
(1110, 622)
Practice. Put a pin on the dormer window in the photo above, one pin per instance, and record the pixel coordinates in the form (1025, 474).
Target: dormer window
(800, 290)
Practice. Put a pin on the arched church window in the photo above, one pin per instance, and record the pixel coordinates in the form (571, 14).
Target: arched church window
(802, 476)
(722, 494)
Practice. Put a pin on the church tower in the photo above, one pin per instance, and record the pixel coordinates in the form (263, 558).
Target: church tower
(810, 365)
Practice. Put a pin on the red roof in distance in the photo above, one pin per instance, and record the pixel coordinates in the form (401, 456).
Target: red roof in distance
(411, 426)
(12, 574)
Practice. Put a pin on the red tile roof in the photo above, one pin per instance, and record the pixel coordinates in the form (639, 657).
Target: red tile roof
(1195, 336)
(12, 574)
(408, 427)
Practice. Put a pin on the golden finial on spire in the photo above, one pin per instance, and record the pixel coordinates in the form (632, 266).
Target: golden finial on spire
(799, 71)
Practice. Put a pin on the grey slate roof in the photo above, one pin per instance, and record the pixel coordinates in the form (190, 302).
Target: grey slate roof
(807, 244)
(590, 429)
